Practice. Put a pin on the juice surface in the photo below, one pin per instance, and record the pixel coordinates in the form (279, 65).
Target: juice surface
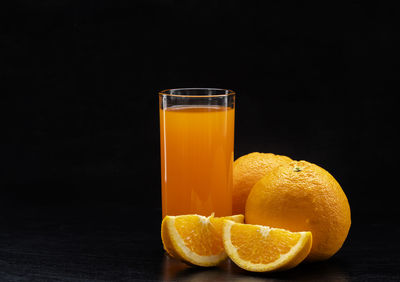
(196, 160)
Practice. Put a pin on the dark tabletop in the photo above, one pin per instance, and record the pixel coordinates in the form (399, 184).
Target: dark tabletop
(114, 243)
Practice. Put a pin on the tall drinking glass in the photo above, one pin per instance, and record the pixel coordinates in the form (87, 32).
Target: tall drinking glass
(196, 133)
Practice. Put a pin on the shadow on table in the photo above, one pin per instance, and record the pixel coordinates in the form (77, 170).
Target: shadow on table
(331, 270)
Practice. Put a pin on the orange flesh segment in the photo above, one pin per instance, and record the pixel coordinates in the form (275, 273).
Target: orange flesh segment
(266, 245)
(201, 236)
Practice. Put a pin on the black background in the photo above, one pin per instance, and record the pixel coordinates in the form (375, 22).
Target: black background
(316, 82)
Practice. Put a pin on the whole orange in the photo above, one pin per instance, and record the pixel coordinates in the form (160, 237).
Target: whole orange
(247, 170)
(301, 196)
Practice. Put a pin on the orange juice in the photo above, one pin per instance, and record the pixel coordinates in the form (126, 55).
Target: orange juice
(197, 159)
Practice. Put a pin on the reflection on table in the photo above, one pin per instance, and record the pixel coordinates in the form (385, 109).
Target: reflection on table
(330, 270)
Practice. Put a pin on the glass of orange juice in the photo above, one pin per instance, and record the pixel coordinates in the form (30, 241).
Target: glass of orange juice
(196, 133)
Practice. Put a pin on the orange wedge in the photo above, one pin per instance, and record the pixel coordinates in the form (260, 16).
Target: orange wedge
(195, 239)
(261, 248)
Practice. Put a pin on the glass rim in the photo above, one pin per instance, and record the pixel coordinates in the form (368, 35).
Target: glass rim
(167, 92)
